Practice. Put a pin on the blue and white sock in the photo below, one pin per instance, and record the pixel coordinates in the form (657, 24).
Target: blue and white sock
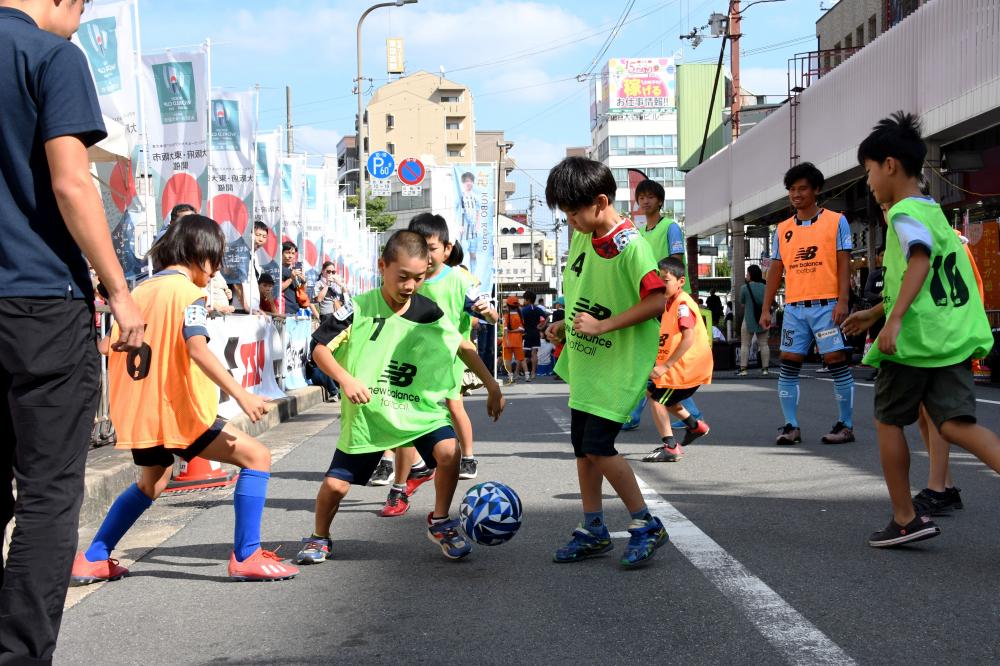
(593, 522)
(788, 390)
(248, 505)
(641, 514)
(843, 391)
(123, 513)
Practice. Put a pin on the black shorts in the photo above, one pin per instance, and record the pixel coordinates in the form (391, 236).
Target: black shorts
(532, 339)
(593, 435)
(357, 468)
(947, 393)
(669, 396)
(161, 456)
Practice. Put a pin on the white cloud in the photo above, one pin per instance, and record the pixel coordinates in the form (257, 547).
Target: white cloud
(764, 80)
(316, 140)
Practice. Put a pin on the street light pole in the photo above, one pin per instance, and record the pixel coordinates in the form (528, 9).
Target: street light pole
(361, 143)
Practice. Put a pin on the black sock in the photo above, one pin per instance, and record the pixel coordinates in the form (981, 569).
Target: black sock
(691, 422)
(669, 441)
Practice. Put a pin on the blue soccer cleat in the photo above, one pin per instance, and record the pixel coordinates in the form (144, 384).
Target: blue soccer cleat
(584, 544)
(647, 536)
(446, 535)
(314, 550)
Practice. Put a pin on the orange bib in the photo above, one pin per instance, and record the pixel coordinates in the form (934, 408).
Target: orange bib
(695, 367)
(159, 396)
(809, 255)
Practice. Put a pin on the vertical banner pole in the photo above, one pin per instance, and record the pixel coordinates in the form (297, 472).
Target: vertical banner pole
(208, 123)
(147, 185)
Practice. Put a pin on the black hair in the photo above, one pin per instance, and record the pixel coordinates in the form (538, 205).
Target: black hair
(529, 296)
(190, 241)
(880, 249)
(180, 210)
(468, 176)
(673, 266)
(457, 255)
(410, 243)
(651, 187)
(576, 182)
(429, 225)
(265, 278)
(325, 264)
(756, 275)
(289, 245)
(897, 136)
(805, 170)
(259, 225)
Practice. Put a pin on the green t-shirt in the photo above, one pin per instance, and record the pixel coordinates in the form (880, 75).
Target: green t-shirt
(946, 323)
(749, 311)
(454, 289)
(405, 362)
(607, 374)
(667, 237)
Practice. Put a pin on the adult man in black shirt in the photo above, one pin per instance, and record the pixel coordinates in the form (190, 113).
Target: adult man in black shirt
(533, 318)
(49, 368)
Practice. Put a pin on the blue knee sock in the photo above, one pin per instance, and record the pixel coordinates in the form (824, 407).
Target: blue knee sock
(248, 504)
(123, 514)
(843, 391)
(593, 522)
(788, 390)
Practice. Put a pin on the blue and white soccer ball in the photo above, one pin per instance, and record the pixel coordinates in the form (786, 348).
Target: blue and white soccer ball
(490, 513)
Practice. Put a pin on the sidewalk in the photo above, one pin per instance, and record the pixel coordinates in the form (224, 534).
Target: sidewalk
(110, 471)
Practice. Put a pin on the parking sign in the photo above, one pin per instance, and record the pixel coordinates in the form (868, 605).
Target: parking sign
(381, 164)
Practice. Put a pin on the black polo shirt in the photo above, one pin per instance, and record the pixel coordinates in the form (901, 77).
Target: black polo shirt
(47, 92)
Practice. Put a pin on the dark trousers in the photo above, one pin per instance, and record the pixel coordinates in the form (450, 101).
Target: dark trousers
(49, 382)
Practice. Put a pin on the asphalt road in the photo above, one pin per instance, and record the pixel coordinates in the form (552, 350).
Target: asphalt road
(768, 561)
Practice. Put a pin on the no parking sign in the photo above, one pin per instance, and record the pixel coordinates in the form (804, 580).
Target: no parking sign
(411, 171)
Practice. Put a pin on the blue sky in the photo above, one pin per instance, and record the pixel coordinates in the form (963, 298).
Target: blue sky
(519, 58)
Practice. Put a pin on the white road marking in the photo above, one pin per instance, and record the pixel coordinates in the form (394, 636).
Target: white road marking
(982, 400)
(787, 630)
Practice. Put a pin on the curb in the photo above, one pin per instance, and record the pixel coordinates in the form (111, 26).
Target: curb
(110, 470)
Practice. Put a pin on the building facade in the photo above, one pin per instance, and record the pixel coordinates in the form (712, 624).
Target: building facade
(488, 151)
(347, 166)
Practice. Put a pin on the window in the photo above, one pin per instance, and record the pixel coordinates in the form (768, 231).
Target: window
(522, 250)
(872, 28)
(390, 148)
(390, 121)
(503, 253)
(640, 145)
(836, 57)
(848, 43)
(859, 36)
(666, 176)
(454, 152)
(451, 98)
(453, 123)
(366, 144)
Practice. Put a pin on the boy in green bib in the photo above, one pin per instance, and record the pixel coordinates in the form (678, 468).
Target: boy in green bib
(934, 324)
(614, 297)
(392, 352)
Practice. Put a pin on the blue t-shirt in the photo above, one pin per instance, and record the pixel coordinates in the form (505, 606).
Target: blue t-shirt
(48, 92)
(844, 243)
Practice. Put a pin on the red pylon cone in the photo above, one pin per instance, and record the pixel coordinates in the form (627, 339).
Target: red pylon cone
(200, 474)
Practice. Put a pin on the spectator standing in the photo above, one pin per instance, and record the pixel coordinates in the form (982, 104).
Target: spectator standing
(330, 291)
(265, 286)
(292, 277)
(714, 304)
(752, 299)
(50, 211)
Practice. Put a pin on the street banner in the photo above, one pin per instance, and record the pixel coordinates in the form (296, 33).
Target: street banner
(292, 185)
(298, 332)
(106, 37)
(267, 204)
(233, 130)
(175, 100)
(475, 210)
(313, 218)
(640, 84)
(244, 345)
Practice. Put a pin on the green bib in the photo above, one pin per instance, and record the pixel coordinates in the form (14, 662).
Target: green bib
(407, 368)
(659, 241)
(449, 290)
(607, 374)
(946, 323)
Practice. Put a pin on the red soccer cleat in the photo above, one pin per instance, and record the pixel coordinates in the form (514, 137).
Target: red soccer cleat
(86, 572)
(261, 565)
(396, 504)
(416, 479)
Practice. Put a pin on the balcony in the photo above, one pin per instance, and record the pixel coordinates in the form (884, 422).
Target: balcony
(457, 137)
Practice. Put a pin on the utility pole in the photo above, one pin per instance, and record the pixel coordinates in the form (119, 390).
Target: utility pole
(557, 225)
(734, 65)
(531, 227)
(288, 120)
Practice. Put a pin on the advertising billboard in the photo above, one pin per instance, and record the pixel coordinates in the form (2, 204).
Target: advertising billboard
(637, 84)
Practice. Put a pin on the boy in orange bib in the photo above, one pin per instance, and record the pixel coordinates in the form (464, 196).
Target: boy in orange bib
(683, 363)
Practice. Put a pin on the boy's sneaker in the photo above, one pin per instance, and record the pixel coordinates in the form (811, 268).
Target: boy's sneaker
(86, 572)
(700, 430)
(765, 373)
(468, 468)
(742, 372)
(315, 550)
(920, 528)
(664, 454)
(396, 504)
(788, 435)
(418, 478)
(584, 544)
(382, 473)
(930, 503)
(446, 535)
(647, 536)
(260, 566)
(840, 434)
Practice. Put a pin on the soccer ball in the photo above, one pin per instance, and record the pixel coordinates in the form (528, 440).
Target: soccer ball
(490, 513)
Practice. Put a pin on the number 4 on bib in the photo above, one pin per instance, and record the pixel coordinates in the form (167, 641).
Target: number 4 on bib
(577, 266)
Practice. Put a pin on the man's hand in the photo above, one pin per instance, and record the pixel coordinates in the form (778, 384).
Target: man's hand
(481, 306)
(887, 338)
(840, 312)
(586, 324)
(355, 391)
(765, 319)
(495, 403)
(860, 321)
(299, 274)
(253, 406)
(129, 319)
(555, 332)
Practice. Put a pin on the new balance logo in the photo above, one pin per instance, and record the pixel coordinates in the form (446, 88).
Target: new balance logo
(595, 310)
(399, 374)
(806, 253)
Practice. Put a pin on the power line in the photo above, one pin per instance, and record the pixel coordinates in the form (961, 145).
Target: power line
(609, 40)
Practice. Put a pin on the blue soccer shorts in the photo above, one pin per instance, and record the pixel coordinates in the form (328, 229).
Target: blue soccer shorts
(804, 325)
